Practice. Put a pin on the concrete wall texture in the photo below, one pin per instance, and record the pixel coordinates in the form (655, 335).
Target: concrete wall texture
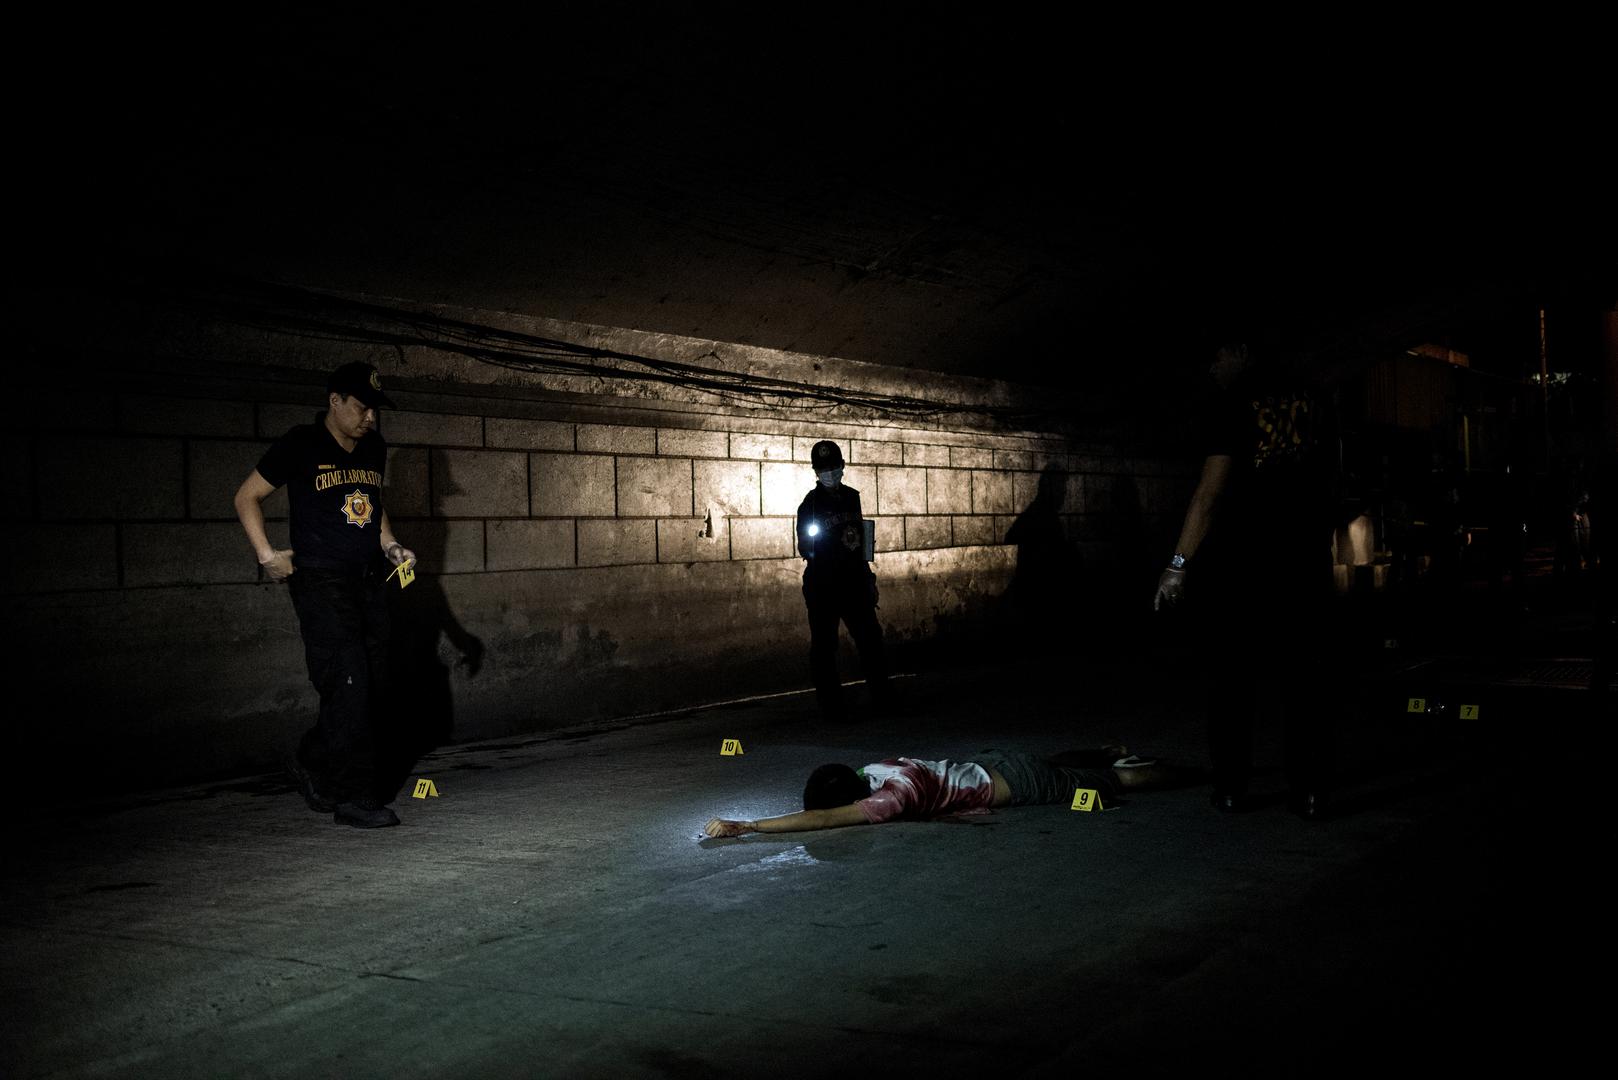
(609, 555)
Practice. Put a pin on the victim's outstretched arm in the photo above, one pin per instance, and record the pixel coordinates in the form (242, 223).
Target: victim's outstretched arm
(802, 821)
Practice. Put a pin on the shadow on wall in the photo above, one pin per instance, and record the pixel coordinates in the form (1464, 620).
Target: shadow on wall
(1042, 602)
(1060, 607)
(1126, 597)
(421, 701)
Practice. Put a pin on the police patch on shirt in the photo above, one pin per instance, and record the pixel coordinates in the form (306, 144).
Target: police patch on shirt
(1285, 428)
(357, 507)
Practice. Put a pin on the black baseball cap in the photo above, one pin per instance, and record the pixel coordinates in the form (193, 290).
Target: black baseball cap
(361, 381)
(825, 455)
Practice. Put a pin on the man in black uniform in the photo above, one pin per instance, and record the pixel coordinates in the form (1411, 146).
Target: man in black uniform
(1254, 559)
(342, 543)
(838, 584)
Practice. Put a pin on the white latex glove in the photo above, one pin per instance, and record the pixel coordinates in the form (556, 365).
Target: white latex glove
(1170, 590)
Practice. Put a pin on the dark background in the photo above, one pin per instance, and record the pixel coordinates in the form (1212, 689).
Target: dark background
(1086, 204)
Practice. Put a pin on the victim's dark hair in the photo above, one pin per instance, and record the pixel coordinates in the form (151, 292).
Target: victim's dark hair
(833, 785)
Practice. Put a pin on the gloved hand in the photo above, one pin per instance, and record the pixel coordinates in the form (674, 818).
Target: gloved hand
(1170, 590)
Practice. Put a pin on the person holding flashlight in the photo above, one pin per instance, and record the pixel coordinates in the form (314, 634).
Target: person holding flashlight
(838, 583)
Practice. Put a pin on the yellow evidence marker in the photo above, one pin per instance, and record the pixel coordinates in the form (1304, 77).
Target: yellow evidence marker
(1416, 704)
(425, 788)
(731, 747)
(406, 571)
(1469, 712)
(1086, 799)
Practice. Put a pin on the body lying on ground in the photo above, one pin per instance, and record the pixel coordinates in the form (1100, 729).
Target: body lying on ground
(915, 788)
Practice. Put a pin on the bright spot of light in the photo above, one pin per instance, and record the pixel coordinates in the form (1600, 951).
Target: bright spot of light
(792, 859)
(813, 529)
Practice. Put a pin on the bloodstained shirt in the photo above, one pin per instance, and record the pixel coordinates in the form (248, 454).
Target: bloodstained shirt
(912, 788)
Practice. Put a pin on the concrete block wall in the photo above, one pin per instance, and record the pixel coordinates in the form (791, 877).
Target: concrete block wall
(482, 494)
(612, 554)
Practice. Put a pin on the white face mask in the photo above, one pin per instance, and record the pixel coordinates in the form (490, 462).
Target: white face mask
(830, 477)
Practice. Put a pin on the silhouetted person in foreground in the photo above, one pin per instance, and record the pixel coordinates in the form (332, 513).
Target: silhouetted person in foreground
(909, 789)
(838, 584)
(1253, 568)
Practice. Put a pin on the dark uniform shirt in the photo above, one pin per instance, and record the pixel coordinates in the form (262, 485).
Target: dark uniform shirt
(335, 494)
(836, 544)
(1280, 503)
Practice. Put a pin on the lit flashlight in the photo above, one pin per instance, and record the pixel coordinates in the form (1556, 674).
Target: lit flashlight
(813, 529)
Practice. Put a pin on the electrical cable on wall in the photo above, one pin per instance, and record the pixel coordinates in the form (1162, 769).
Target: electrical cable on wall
(283, 309)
